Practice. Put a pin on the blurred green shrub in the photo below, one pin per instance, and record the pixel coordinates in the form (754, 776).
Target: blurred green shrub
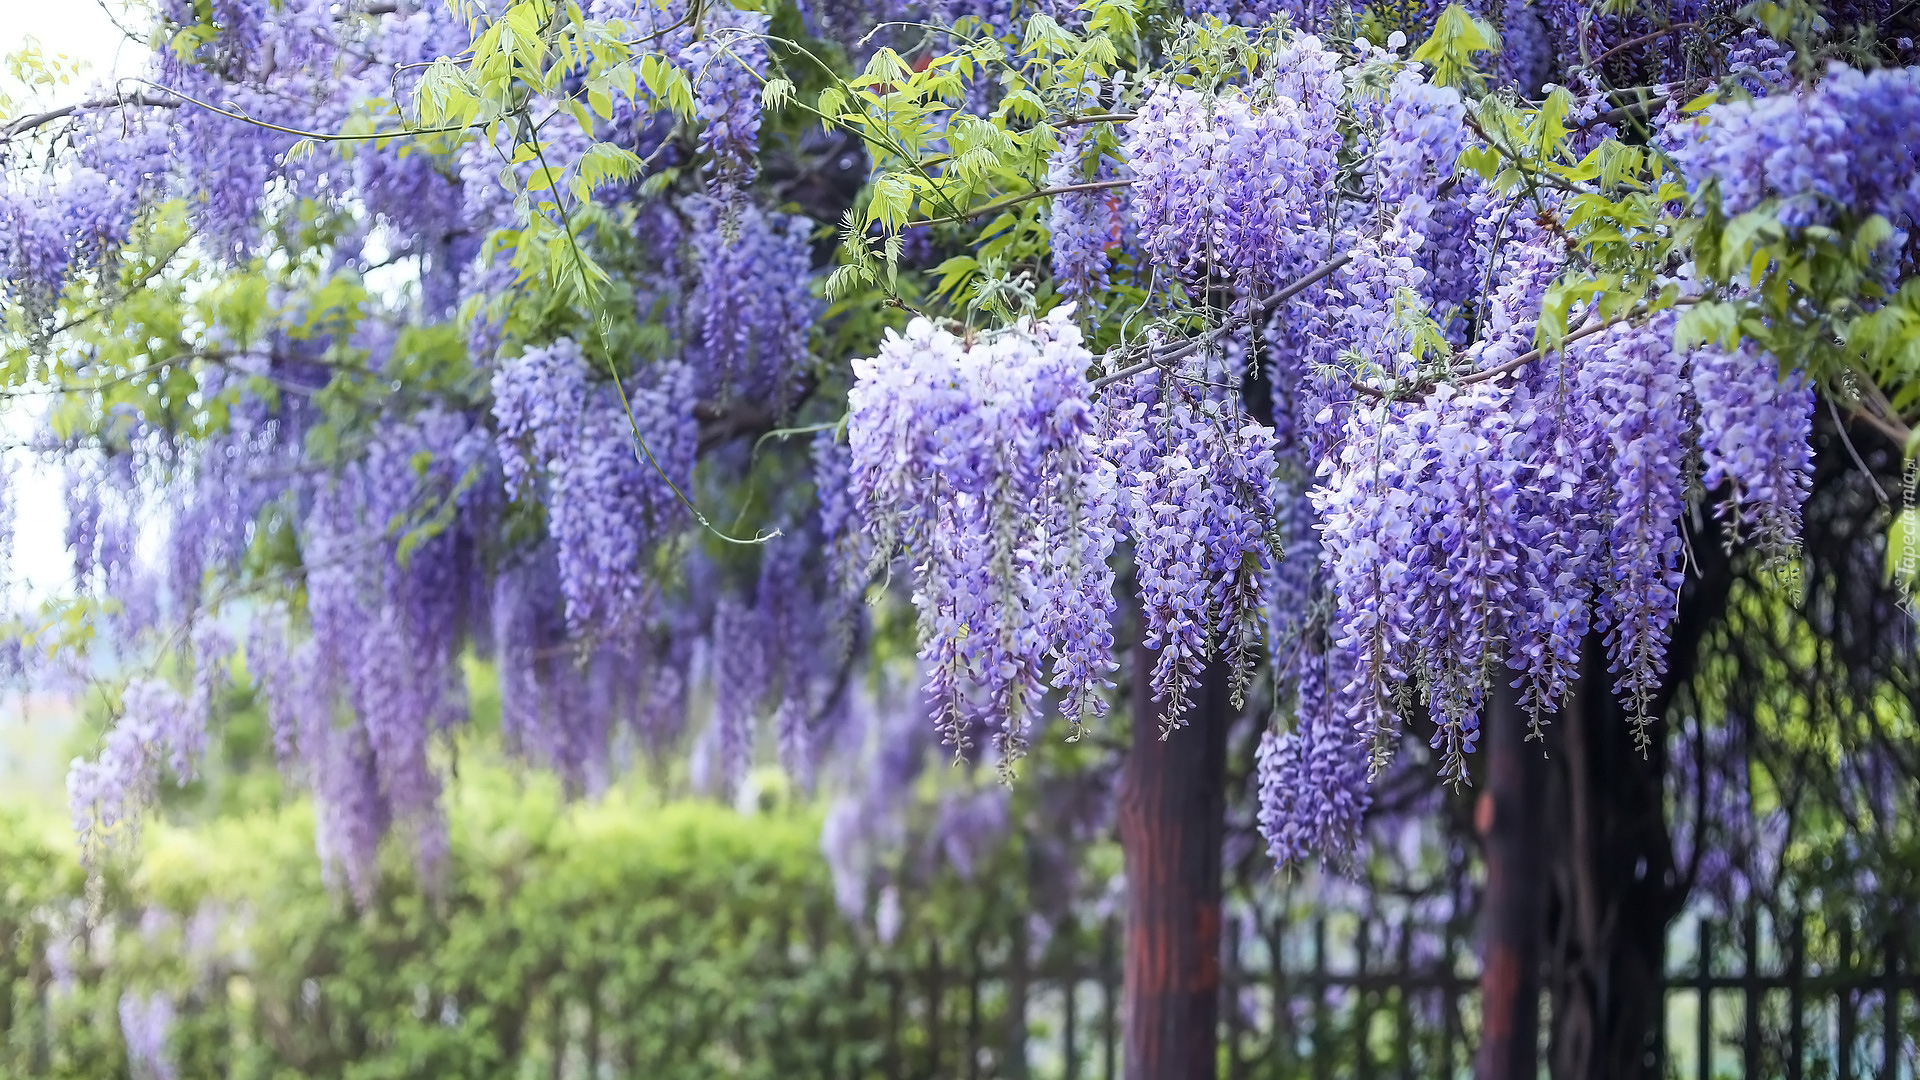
(621, 937)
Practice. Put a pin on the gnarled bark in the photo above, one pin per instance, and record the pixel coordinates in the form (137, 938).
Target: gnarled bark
(1509, 818)
(1172, 822)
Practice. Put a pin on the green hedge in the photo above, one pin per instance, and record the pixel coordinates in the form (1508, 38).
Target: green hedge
(622, 937)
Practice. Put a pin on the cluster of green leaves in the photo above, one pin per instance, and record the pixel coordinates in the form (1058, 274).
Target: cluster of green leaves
(937, 163)
(132, 348)
(515, 80)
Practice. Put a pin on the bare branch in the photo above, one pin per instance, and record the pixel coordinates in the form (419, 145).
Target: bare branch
(38, 120)
(1002, 204)
(1523, 359)
(1194, 345)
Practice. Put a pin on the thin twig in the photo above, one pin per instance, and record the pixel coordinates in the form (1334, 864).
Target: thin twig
(29, 123)
(1523, 359)
(1096, 118)
(1881, 414)
(1193, 345)
(318, 136)
(1840, 426)
(1641, 40)
(1002, 204)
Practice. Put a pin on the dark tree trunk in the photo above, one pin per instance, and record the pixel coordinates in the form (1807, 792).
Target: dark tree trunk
(1509, 818)
(1172, 823)
(1615, 887)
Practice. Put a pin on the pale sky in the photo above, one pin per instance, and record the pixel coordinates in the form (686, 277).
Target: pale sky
(82, 31)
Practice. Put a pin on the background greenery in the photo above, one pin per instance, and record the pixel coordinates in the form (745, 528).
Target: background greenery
(666, 939)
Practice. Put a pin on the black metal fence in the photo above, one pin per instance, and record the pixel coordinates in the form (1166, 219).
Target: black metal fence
(1810, 999)
(1349, 997)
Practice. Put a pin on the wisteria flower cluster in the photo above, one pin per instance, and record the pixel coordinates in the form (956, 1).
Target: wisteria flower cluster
(1849, 144)
(1198, 499)
(756, 307)
(108, 795)
(606, 490)
(1312, 779)
(1457, 523)
(964, 455)
(728, 65)
(1085, 225)
(1228, 183)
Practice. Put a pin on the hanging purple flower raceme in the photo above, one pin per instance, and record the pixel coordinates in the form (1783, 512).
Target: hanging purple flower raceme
(969, 826)
(537, 400)
(1313, 778)
(146, 1026)
(1422, 134)
(391, 689)
(1078, 523)
(742, 682)
(1422, 533)
(1304, 69)
(284, 673)
(789, 614)
(606, 496)
(351, 815)
(1762, 65)
(1471, 483)
(1228, 184)
(849, 549)
(1628, 381)
(1084, 225)
(1416, 150)
(755, 276)
(34, 253)
(1526, 50)
(430, 485)
(1199, 500)
(1851, 142)
(955, 445)
(544, 716)
(1756, 431)
(83, 520)
(108, 795)
(727, 66)
(389, 545)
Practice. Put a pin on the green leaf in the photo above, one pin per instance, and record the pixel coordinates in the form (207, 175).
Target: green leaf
(775, 94)
(954, 274)
(1457, 35)
(605, 163)
(832, 103)
(1708, 323)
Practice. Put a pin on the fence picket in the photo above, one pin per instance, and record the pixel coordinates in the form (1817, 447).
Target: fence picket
(1750, 991)
(1070, 1021)
(1322, 1064)
(1844, 1021)
(1890, 1008)
(1703, 1054)
(1403, 1010)
(1109, 1009)
(1796, 1000)
(1362, 1005)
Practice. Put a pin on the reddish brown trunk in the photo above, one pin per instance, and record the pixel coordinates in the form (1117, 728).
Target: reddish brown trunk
(1513, 911)
(1172, 821)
